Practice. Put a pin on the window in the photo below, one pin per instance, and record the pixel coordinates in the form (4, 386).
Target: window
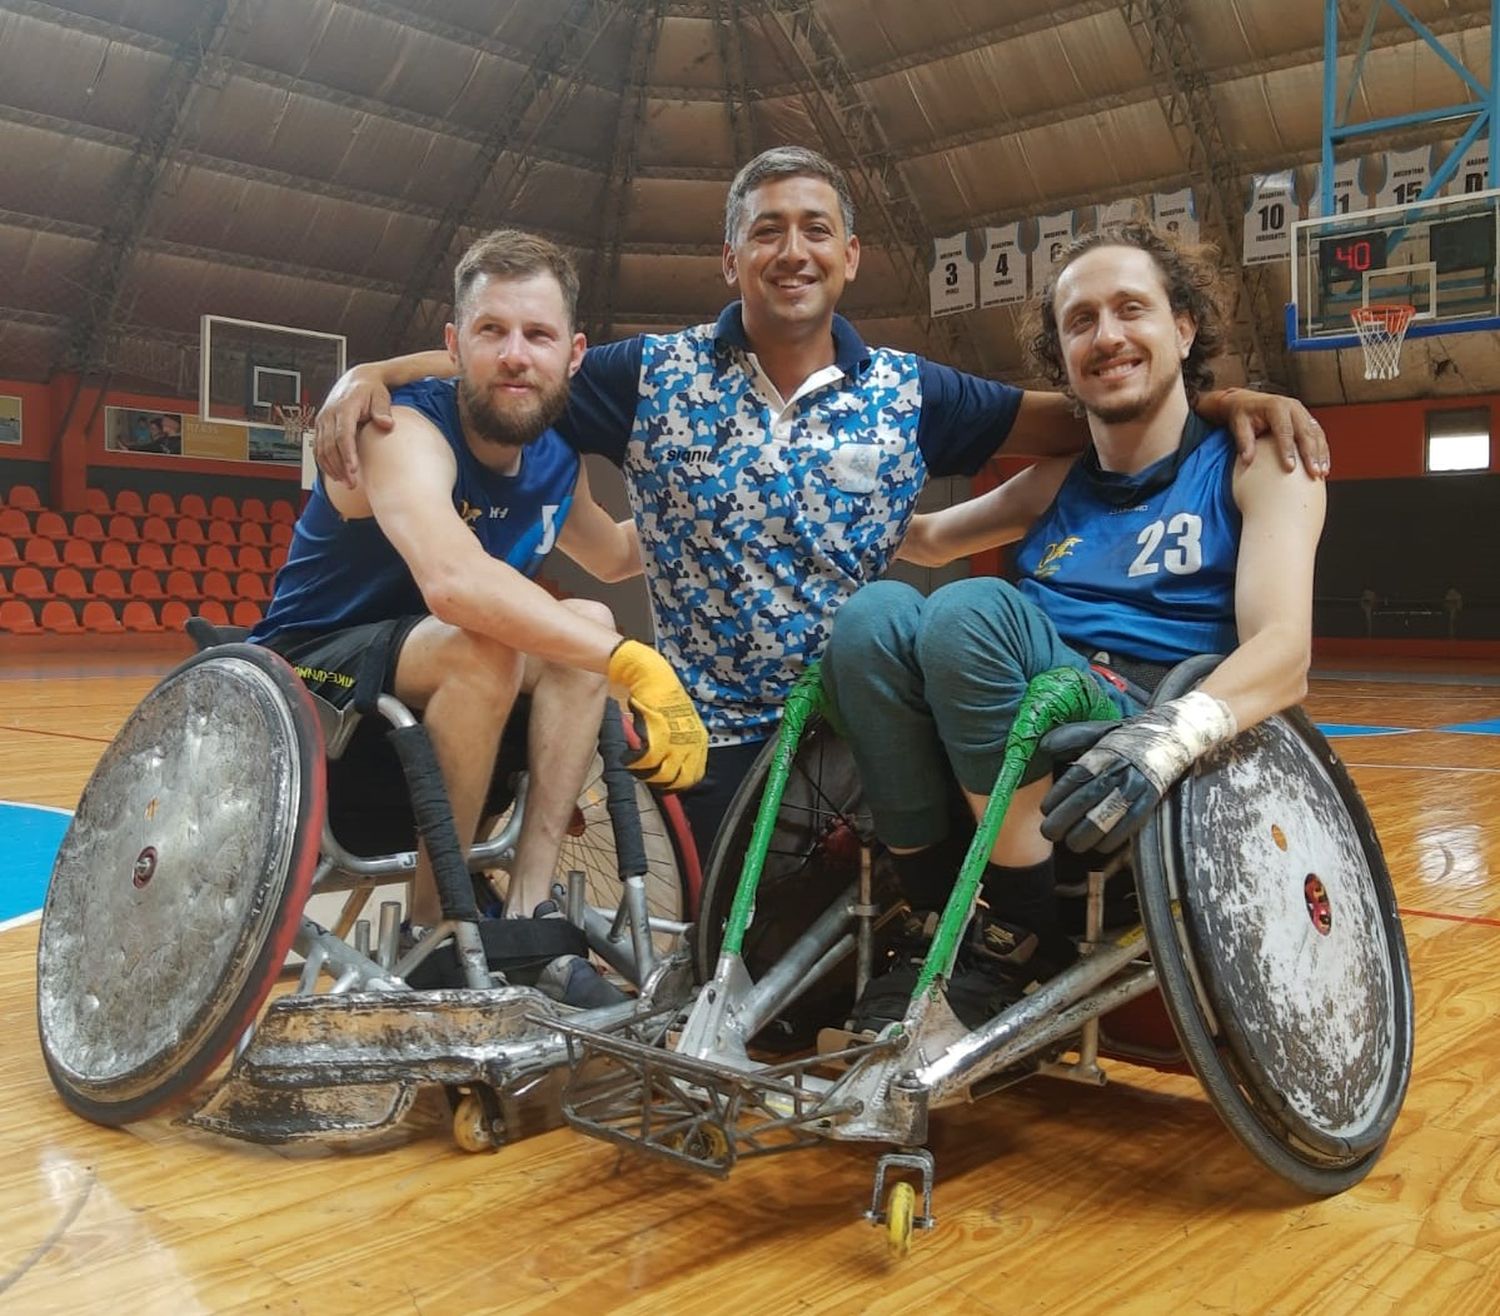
(1458, 440)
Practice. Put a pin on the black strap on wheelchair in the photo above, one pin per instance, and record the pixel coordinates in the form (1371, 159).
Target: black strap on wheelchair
(434, 818)
(624, 816)
(520, 948)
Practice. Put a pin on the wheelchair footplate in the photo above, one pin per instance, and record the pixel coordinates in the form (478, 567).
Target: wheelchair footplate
(704, 1113)
(350, 1065)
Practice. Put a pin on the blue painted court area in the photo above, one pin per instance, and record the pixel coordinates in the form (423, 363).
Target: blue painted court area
(1491, 727)
(29, 837)
(1334, 730)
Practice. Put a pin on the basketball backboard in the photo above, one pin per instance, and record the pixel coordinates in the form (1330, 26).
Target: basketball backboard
(1437, 256)
(249, 369)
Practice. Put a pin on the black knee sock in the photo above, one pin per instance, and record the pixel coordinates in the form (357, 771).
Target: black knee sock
(927, 876)
(1026, 897)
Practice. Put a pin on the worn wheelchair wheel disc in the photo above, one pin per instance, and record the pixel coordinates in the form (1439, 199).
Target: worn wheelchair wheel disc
(180, 883)
(1285, 969)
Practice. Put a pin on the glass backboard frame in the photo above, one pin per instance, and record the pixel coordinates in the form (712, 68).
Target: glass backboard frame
(1314, 323)
(313, 340)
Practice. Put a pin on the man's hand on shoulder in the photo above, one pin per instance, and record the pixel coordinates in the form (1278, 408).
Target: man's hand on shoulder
(1249, 414)
(360, 398)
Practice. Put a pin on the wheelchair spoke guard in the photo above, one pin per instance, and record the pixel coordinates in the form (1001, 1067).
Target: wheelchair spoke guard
(180, 884)
(1279, 952)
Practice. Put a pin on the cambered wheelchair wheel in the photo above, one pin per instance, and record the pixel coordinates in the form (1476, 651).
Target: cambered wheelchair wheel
(814, 855)
(180, 884)
(1278, 948)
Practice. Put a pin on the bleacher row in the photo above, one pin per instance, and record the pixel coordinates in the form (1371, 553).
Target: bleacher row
(133, 565)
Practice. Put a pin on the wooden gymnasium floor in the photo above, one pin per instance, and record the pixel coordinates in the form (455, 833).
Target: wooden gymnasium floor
(1050, 1197)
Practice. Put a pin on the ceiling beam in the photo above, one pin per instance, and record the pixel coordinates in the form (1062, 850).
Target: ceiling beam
(736, 93)
(1167, 48)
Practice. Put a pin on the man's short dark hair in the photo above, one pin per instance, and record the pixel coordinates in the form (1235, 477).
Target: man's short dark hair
(784, 162)
(1190, 274)
(508, 253)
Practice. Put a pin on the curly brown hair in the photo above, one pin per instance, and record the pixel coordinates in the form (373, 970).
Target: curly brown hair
(1190, 274)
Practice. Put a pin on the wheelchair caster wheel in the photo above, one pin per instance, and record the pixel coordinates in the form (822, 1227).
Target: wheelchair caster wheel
(900, 1218)
(707, 1142)
(473, 1126)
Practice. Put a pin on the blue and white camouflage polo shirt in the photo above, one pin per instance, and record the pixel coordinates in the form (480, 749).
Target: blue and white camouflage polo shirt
(759, 515)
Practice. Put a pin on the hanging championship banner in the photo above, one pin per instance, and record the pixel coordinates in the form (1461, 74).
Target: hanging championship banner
(1268, 218)
(950, 280)
(1406, 174)
(1054, 232)
(1124, 211)
(1175, 212)
(1474, 173)
(1345, 189)
(1002, 274)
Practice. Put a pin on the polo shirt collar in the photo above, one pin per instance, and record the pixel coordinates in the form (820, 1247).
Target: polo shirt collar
(849, 351)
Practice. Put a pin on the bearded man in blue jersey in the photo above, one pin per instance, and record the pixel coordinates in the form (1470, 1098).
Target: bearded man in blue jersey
(1153, 546)
(427, 565)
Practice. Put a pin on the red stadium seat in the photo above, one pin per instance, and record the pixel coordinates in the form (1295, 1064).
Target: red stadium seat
(217, 557)
(186, 557)
(59, 618)
(174, 615)
(145, 584)
(222, 508)
(281, 535)
(41, 553)
(138, 616)
(124, 529)
(8, 554)
(190, 531)
(18, 618)
(220, 532)
(69, 584)
(109, 584)
(51, 526)
(24, 497)
(129, 502)
(181, 585)
(216, 586)
(151, 555)
(160, 504)
(213, 612)
(96, 502)
(15, 523)
(277, 559)
(245, 613)
(283, 511)
(252, 532)
(88, 526)
(250, 558)
(79, 553)
(252, 509)
(156, 530)
(112, 553)
(99, 618)
(29, 583)
(249, 585)
(193, 505)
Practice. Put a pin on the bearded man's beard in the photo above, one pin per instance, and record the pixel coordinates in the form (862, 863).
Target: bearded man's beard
(515, 427)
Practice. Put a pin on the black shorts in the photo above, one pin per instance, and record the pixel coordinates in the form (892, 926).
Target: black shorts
(330, 663)
(369, 807)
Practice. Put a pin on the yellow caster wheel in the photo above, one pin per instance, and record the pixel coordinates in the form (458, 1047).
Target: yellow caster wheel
(471, 1125)
(900, 1216)
(706, 1142)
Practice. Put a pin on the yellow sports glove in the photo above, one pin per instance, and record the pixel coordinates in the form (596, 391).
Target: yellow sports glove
(675, 749)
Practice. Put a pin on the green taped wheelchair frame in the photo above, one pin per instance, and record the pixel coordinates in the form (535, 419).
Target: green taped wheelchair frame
(1251, 827)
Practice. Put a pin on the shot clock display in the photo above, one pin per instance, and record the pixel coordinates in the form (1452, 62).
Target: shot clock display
(1344, 260)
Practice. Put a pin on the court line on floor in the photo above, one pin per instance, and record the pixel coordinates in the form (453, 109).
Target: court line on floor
(1480, 919)
(59, 735)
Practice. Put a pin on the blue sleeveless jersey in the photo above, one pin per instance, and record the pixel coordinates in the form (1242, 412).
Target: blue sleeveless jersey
(342, 573)
(1145, 576)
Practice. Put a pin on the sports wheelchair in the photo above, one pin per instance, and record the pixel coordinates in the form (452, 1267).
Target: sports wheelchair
(1249, 933)
(231, 799)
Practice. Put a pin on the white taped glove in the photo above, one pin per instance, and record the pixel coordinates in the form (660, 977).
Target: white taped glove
(1102, 800)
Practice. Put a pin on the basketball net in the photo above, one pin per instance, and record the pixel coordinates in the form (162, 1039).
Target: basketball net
(295, 419)
(1382, 330)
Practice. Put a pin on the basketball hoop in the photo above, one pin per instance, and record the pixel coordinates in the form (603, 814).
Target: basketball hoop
(1382, 330)
(295, 420)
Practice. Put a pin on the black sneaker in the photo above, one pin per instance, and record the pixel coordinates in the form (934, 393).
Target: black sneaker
(1017, 955)
(571, 979)
(888, 993)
